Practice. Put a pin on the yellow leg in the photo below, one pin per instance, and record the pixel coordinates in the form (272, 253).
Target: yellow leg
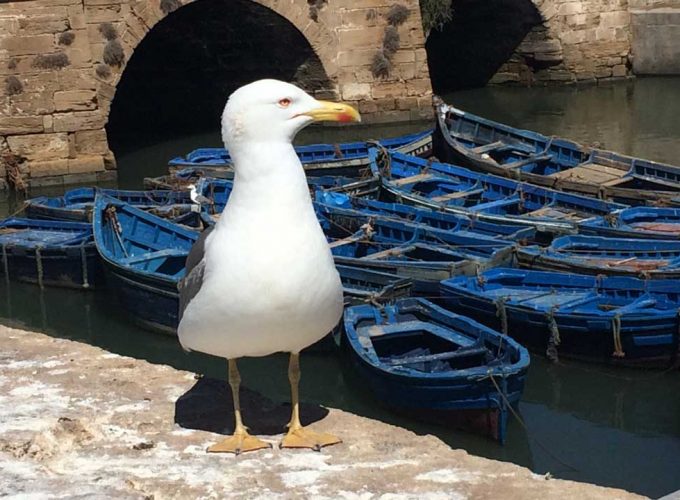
(240, 441)
(298, 436)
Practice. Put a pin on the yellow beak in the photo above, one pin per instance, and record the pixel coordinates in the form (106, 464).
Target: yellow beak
(334, 112)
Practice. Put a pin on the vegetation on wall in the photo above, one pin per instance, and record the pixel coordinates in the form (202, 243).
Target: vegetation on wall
(168, 6)
(57, 60)
(381, 65)
(13, 85)
(66, 38)
(434, 14)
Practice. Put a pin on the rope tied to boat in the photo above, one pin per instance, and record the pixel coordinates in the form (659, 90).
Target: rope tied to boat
(501, 312)
(616, 333)
(554, 339)
(39, 265)
(612, 219)
(83, 263)
(112, 217)
(5, 265)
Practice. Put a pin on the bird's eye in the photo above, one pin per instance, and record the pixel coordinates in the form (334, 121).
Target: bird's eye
(284, 103)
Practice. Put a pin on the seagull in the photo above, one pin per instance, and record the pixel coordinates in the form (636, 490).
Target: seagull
(262, 280)
(197, 198)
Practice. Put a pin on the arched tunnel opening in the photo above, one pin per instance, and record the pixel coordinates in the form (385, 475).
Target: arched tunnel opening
(179, 77)
(479, 37)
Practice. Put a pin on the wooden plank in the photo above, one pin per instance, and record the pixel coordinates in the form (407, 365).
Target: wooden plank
(456, 195)
(413, 179)
(390, 252)
(488, 147)
(590, 173)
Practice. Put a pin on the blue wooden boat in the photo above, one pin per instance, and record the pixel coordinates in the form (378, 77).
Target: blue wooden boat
(49, 253)
(338, 205)
(424, 264)
(76, 204)
(428, 362)
(483, 197)
(317, 159)
(426, 256)
(361, 285)
(491, 147)
(657, 259)
(144, 258)
(618, 320)
(637, 222)
(145, 255)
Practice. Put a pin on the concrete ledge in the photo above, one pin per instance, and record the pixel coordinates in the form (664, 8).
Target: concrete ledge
(78, 421)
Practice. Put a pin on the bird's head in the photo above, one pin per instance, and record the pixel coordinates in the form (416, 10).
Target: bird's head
(275, 111)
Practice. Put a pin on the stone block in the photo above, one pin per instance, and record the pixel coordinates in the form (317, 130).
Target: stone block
(566, 9)
(48, 123)
(419, 87)
(367, 107)
(354, 58)
(355, 91)
(75, 100)
(76, 17)
(614, 19)
(504, 77)
(619, 71)
(31, 103)
(24, 45)
(404, 56)
(76, 80)
(603, 72)
(91, 142)
(389, 89)
(18, 125)
(40, 147)
(79, 120)
(48, 168)
(38, 182)
(389, 117)
(38, 24)
(84, 164)
(406, 103)
(363, 37)
(103, 13)
(386, 104)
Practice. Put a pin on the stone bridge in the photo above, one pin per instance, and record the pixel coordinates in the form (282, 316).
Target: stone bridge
(62, 60)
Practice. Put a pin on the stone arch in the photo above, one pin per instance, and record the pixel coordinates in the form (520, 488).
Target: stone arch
(477, 40)
(142, 16)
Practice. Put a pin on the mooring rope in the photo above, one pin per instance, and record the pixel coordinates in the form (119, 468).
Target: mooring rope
(83, 263)
(523, 424)
(5, 265)
(554, 340)
(39, 265)
(502, 313)
(616, 332)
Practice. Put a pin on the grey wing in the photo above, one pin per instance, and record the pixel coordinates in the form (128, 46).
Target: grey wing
(190, 285)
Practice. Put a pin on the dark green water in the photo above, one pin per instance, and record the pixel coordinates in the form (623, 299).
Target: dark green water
(610, 427)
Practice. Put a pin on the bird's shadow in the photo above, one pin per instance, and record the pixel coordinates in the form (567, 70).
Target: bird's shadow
(208, 406)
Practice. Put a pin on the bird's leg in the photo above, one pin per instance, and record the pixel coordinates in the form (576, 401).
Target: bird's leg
(240, 441)
(298, 436)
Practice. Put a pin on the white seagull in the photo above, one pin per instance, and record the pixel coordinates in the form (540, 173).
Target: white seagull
(263, 280)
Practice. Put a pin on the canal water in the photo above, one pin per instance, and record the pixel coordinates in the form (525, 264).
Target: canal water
(614, 427)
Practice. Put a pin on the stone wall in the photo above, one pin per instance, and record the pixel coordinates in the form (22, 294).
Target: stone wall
(656, 37)
(579, 41)
(60, 62)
